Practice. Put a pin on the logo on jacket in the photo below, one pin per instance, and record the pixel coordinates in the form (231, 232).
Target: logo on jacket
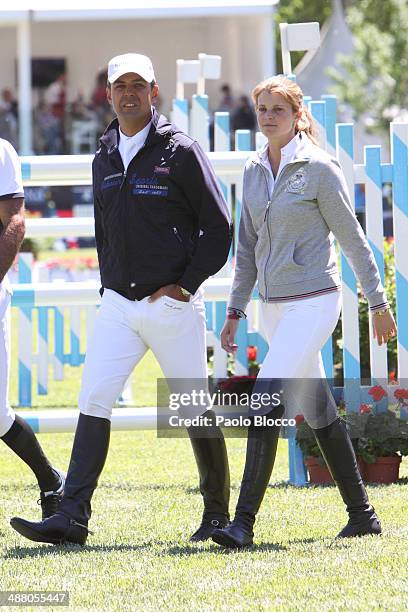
(148, 186)
(297, 182)
(113, 180)
(161, 170)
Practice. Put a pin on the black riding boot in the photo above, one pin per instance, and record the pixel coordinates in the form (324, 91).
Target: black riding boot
(70, 523)
(21, 439)
(338, 452)
(260, 458)
(212, 461)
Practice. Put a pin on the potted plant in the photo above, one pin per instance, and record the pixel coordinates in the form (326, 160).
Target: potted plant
(382, 441)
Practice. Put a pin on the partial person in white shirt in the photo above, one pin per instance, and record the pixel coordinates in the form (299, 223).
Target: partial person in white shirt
(15, 431)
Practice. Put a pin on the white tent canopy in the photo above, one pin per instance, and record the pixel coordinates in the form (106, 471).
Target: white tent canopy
(103, 9)
(25, 12)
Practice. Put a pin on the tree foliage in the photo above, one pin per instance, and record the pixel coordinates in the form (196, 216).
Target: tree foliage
(299, 11)
(376, 81)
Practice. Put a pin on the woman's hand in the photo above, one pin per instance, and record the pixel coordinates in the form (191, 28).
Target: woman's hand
(228, 334)
(384, 327)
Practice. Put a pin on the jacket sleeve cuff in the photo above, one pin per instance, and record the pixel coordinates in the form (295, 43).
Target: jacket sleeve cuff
(382, 306)
(238, 303)
(377, 300)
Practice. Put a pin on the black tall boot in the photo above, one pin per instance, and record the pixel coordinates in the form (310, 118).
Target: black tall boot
(21, 439)
(338, 452)
(260, 458)
(212, 461)
(70, 523)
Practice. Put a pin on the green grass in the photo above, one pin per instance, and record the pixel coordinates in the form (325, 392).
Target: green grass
(146, 507)
(148, 504)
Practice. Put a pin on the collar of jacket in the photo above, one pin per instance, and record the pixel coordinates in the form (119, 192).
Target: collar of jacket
(305, 154)
(159, 130)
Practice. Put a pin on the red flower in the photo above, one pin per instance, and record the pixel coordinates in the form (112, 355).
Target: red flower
(377, 393)
(251, 353)
(364, 409)
(401, 394)
(299, 418)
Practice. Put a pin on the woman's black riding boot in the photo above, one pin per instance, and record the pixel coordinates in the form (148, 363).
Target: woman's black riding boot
(260, 457)
(70, 523)
(338, 452)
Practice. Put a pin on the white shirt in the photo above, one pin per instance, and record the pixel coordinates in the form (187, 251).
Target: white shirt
(11, 183)
(288, 153)
(129, 146)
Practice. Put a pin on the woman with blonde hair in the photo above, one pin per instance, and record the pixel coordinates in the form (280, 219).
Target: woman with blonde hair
(295, 201)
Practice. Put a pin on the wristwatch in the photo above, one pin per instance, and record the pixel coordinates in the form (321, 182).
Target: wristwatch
(185, 292)
(382, 312)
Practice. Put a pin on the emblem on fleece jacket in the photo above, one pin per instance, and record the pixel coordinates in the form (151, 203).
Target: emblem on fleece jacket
(297, 182)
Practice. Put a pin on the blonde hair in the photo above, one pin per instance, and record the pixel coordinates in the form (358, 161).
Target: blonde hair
(294, 96)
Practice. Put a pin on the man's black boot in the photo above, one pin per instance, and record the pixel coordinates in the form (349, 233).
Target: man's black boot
(260, 458)
(50, 500)
(338, 452)
(70, 523)
(212, 461)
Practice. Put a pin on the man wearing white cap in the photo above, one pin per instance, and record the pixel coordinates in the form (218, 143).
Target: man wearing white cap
(162, 227)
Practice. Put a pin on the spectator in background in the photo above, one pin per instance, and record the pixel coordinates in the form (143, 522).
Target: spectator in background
(79, 110)
(8, 117)
(243, 118)
(55, 96)
(100, 102)
(98, 98)
(55, 99)
(226, 105)
(227, 102)
(48, 133)
(8, 102)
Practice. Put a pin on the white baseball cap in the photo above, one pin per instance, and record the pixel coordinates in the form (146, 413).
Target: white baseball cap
(130, 62)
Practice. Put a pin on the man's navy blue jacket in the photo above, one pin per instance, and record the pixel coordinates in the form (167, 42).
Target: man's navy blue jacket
(163, 221)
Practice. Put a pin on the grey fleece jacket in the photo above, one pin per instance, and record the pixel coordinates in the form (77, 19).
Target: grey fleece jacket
(286, 240)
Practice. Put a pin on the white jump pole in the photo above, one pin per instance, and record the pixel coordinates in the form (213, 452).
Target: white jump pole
(65, 421)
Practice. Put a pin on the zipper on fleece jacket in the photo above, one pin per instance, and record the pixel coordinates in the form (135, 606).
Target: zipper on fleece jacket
(266, 217)
(123, 183)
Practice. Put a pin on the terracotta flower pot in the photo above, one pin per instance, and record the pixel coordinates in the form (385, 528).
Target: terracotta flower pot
(385, 470)
(362, 467)
(318, 474)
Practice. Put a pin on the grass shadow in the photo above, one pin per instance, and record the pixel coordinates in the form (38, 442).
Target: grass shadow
(21, 552)
(47, 550)
(285, 484)
(191, 549)
(123, 486)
